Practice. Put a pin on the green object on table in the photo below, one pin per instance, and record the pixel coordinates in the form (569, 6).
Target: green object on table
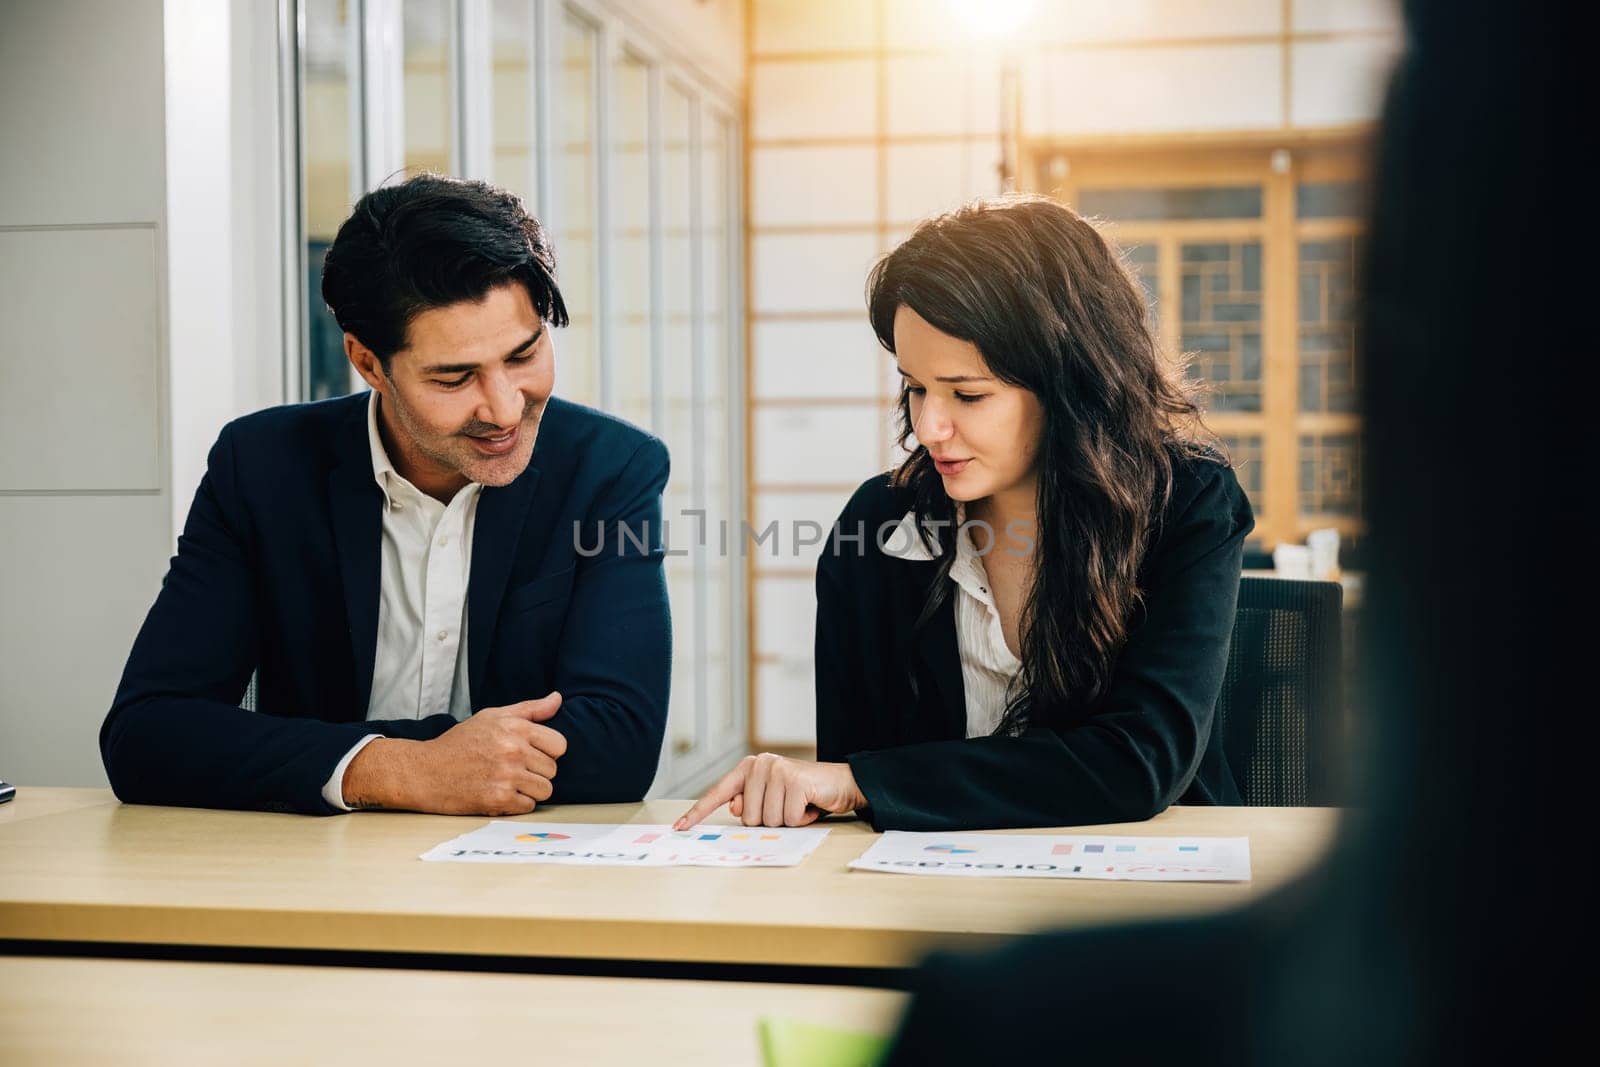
(791, 1043)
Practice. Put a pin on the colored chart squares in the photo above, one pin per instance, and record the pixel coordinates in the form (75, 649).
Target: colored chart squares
(1094, 848)
(1061, 850)
(685, 835)
(547, 836)
(951, 850)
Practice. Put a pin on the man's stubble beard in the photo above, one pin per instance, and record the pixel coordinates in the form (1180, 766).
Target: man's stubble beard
(465, 461)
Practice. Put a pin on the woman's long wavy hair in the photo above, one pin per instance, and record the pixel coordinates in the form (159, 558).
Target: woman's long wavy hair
(1051, 308)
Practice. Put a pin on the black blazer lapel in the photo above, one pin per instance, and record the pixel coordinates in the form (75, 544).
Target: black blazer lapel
(357, 507)
(502, 510)
(942, 713)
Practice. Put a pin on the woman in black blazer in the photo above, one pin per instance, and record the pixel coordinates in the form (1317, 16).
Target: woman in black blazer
(1027, 622)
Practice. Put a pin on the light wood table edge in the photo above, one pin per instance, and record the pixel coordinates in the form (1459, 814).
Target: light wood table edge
(592, 939)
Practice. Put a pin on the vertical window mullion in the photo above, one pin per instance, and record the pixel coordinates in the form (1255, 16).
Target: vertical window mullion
(738, 661)
(473, 60)
(292, 213)
(697, 345)
(657, 254)
(360, 163)
(383, 90)
(736, 666)
(605, 266)
(546, 104)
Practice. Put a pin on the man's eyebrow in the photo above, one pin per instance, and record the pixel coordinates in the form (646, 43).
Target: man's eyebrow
(462, 368)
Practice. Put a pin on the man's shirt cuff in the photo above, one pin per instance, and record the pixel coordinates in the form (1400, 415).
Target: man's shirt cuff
(333, 788)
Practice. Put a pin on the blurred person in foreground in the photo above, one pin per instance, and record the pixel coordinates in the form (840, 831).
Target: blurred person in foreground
(1450, 922)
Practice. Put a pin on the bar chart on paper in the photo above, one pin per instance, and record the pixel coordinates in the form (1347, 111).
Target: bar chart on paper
(630, 845)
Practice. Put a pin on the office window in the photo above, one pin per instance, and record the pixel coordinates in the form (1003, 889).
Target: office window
(630, 161)
(576, 223)
(1327, 321)
(678, 409)
(428, 101)
(1250, 268)
(330, 146)
(1221, 316)
(633, 390)
(716, 170)
(513, 92)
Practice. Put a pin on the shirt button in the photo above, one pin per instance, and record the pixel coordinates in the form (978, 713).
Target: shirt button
(444, 541)
(396, 506)
(443, 634)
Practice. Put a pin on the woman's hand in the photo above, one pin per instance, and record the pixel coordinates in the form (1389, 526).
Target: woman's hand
(769, 790)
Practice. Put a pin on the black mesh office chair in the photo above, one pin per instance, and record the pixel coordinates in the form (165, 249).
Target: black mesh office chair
(1281, 712)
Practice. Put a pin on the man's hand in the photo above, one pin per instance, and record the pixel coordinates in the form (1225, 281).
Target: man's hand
(770, 790)
(498, 762)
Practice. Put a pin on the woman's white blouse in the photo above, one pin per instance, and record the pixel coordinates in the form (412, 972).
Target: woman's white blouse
(987, 665)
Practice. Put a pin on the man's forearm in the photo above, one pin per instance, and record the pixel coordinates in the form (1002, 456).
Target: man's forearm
(378, 776)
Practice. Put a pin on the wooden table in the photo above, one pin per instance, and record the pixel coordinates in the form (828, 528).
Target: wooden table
(70, 1012)
(34, 801)
(188, 877)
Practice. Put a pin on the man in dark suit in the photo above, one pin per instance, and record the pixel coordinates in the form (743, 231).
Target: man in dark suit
(449, 589)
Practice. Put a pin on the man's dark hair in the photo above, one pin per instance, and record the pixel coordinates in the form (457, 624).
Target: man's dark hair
(429, 242)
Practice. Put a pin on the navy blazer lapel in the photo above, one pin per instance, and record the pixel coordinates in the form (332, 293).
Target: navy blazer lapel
(502, 510)
(357, 506)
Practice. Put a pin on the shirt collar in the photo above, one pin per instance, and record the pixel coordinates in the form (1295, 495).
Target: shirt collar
(966, 570)
(382, 469)
(389, 480)
(905, 542)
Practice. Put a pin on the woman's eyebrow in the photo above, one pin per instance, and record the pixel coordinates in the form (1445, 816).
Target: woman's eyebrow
(954, 378)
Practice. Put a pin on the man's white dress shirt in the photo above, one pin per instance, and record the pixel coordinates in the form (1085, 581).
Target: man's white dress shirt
(420, 668)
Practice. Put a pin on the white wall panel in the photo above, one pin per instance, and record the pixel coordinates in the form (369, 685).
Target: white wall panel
(812, 272)
(927, 179)
(819, 100)
(956, 93)
(1148, 90)
(817, 445)
(1153, 20)
(84, 572)
(80, 360)
(794, 513)
(936, 24)
(786, 621)
(1333, 16)
(81, 105)
(828, 186)
(826, 358)
(786, 698)
(1338, 82)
